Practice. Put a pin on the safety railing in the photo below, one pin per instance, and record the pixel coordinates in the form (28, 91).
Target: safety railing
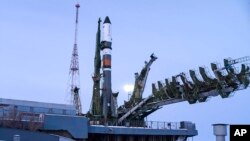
(21, 120)
(22, 115)
(147, 124)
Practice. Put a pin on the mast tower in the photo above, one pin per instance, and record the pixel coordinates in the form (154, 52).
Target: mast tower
(74, 71)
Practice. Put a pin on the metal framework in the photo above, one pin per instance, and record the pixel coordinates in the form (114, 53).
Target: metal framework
(180, 88)
(95, 108)
(74, 74)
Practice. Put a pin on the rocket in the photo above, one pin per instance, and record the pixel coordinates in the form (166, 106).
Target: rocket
(108, 105)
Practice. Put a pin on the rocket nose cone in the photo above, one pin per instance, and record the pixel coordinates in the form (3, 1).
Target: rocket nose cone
(107, 20)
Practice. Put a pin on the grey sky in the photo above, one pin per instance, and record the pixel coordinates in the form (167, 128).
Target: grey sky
(36, 41)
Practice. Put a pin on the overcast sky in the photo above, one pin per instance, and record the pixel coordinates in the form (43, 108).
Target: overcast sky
(36, 41)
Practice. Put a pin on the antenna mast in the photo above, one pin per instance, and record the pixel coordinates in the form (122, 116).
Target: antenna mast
(74, 71)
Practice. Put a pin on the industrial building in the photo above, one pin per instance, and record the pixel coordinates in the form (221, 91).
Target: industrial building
(58, 122)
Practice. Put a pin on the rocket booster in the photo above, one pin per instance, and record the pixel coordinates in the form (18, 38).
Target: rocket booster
(107, 97)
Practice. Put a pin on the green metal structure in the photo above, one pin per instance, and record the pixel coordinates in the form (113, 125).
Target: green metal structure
(95, 108)
(179, 88)
(226, 81)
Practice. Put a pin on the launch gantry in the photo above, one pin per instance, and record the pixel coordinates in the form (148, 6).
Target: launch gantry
(227, 80)
(179, 88)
